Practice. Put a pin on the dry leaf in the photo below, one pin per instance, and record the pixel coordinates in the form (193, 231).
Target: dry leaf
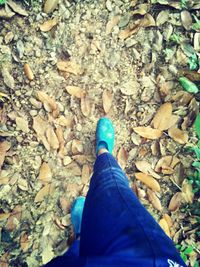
(168, 220)
(52, 138)
(162, 17)
(147, 21)
(76, 91)
(58, 223)
(162, 117)
(186, 19)
(65, 121)
(187, 192)
(163, 224)
(4, 147)
(4, 216)
(77, 147)
(74, 169)
(70, 67)
(45, 191)
(16, 8)
(166, 164)
(47, 100)
(40, 126)
(86, 106)
(112, 23)
(73, 189)
(175, 201)
(148, 132)
(22, 124)
(122, 157)
(6, 13)
(50, 5)
(24, 242)
(48, 25)
(154, 200)
(145, 167)
(130, 30)
(28, 71)
(65, 204)
(45, 173)
(148, 180)
(178, 135)
(107, 100)
(85, 174)
(14, 218)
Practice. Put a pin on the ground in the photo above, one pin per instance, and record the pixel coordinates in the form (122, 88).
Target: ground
(62, 68)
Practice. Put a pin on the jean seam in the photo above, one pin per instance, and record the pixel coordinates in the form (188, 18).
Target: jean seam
(133, 214)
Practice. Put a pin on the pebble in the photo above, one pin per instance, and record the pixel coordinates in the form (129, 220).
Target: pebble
(33, 112)
(67, 160)
(109, 5)
(35, 103)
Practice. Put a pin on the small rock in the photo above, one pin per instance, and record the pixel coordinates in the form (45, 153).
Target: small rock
(20, 48)
(35, 103)
(33, 112)
(22, 124)
(109, 5)
(67, 160)
(8, 37)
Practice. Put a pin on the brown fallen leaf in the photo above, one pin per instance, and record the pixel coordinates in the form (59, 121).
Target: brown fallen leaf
(124, 34)
(65, 204)
(22, 124)
(77, 147)
(175, 201)
(145, 167)
(47, 100)
(16, 7)
(162, 117)
(58, 223)
(45, 173)
(122, 157)
(74, 169)
(48, 25)
(70, 67)
(178, 135)
(76, 91)
(147, 21)
(40, 126)
(187, 192)
(45, 191)
(24, 242)
(14, 218)
(65, 121)
(154, 200)
(107, 100)
(148, 180)
(4, 216)
(4, 147)
(86, 174)
(166, 164)
(163, 224)
(4, 260)
(112, 23)
(86, 106)
(148, 132)
(168, 220)
(52, 138)
(28, 71)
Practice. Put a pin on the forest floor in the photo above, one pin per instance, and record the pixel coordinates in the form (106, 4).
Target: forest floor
(61, 70)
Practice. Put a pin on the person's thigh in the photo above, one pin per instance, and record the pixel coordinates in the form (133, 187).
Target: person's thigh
(114, 221)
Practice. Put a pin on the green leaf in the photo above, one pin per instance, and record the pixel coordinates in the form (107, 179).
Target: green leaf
(196, 150)
(184, 257)
(188, 86)
(196, 164)
(197, 125)
(189, 250)
(196, 264)
(2, 2)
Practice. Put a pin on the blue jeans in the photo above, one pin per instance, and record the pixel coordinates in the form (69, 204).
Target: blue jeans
(116, 229)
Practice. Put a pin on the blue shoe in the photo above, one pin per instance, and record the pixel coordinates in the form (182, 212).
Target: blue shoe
(76, 214)
(105, 135)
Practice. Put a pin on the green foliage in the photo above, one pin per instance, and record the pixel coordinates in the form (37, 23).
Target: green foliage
(185, 251)
(193, 60)
(197, 125)
(184, 3)
(176, 38)
(2, 2)
(196, 25)
(188, 86)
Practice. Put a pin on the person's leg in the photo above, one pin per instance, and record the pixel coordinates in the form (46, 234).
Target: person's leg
(115, 222)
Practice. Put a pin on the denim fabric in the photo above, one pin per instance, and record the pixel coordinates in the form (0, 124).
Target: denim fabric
(116, 229)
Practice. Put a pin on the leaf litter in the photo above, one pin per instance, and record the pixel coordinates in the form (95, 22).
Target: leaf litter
(142, 71)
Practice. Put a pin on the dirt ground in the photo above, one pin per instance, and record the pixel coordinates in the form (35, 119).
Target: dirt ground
(62, 70)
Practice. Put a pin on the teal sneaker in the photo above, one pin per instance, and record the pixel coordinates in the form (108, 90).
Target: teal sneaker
(105, 135)
(76, 215)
